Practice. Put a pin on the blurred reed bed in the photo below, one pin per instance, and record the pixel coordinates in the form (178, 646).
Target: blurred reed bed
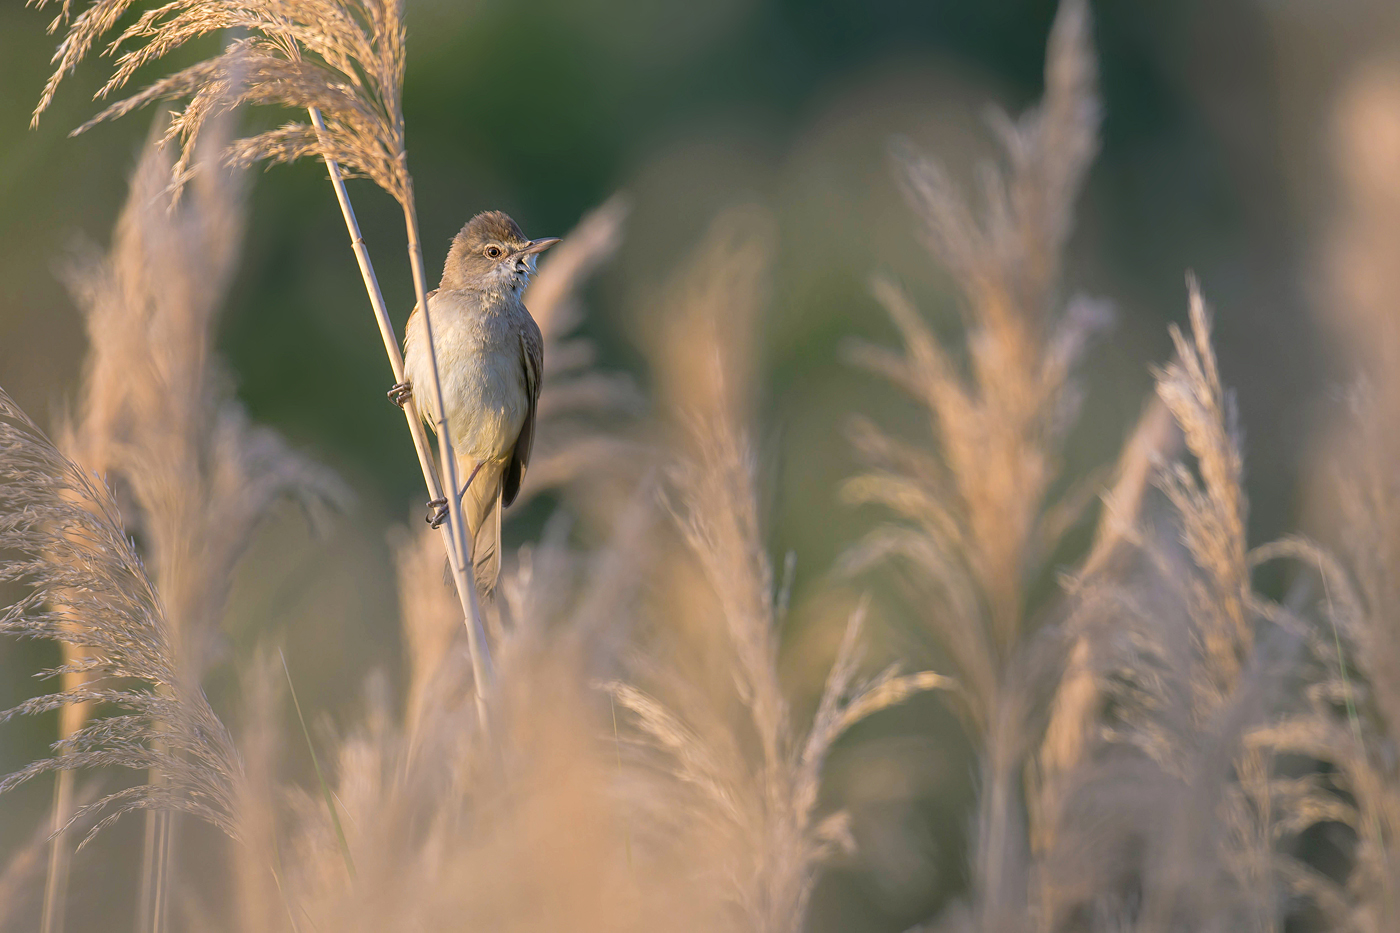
(1162, 746)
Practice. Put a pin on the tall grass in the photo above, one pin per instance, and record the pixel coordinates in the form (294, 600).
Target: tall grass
(1161, 745)
(976, 522)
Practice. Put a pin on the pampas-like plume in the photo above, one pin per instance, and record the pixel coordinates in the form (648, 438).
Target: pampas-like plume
(1170, 814)
(975, 526)
(87, 587)
(1212, 509)
(752, 810)
(445, 831)
(343, 57)
(1202, 680)
(156, 413)
(156, 417)
(976, 523)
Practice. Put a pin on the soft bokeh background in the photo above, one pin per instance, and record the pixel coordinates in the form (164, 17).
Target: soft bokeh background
(1215, 158)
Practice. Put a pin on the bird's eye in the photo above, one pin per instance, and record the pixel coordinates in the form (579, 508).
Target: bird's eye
(494, 252)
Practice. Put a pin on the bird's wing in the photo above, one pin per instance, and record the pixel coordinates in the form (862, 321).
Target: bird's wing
(409, 330)
(532, 360)
(416, 309)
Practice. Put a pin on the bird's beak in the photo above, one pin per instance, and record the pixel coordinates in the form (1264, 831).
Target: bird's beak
(539, 246)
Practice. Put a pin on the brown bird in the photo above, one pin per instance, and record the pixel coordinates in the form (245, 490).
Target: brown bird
(490, 357)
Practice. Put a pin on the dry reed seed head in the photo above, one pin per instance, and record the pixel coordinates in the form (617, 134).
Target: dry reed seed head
(981, 512)
(345, 57)
(751, 802)
(1212, 510)
(435, 849)
(157, 414)
(157, 407)
(88, 588)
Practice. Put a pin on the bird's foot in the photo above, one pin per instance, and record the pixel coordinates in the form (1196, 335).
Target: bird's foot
(401, 393)
(437, 512)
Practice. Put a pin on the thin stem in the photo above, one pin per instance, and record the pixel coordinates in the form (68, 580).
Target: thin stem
(453, 534)
(150, 851)
(320, 776)
(476, 632)
(56, 885)
(164, 867)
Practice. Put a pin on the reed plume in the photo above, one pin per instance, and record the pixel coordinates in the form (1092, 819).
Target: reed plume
(344, 58)
(523, 832)
(974, 523)
(88, 587)
(975, 520)
(157, 419)
(752, 806)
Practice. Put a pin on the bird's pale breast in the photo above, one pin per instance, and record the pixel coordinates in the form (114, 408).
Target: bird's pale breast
(479, 363)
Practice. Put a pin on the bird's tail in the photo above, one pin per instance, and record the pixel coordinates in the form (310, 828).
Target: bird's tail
(481, 507)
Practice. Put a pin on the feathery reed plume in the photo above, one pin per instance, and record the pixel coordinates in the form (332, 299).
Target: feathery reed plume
(145, 396)
(88, 587)
(1212, 509)
(1166, 814)
(344, 58)
(978, 525)
(342, 61)
(975, 526)
(754, 808)
(445, 831)
(1214, 865)
(156, 413)
(1098, 592)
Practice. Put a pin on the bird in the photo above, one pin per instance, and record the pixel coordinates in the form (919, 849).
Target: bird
(490, 357)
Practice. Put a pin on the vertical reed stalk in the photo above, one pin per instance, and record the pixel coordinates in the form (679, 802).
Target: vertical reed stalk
(145, 905)
(56, 884)
(70, 720)
(476, 634)
(156, 846)
(454, 533)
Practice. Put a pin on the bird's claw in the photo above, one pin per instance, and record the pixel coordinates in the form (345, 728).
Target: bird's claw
(401, 393)
(437, 512)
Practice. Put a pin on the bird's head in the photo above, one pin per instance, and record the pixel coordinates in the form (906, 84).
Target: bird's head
(490, 253)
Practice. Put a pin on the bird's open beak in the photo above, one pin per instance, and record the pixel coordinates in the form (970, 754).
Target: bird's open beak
(539, 246)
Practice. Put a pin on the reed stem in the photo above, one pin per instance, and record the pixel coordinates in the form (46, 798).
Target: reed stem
(476, 631)
(454, 533)
(60, 854)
